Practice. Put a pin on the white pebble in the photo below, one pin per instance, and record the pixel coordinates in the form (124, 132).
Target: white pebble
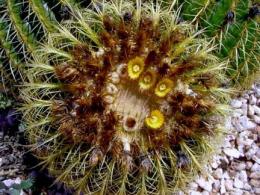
(204, 184)
(236, 103)
(251, 110)
(255, 175)
(205, 193)
(256, 119)
(214, 165)
(243, 176)
(8, 182)
(237, 112)
(256, 159)
(257, 190)
(225, 175)
(244, 109)
(222, 187)
(249, 164)
(238, 183)
(237, 192)
(191, 192)
(255, 168)
(217, 173)
(229, 184)
(246, 123)
(232, 152)
(216, 185)
(193, 186)
(252, 100)
(255, 182)
(257, 110)
(247, 187)
(238, 166)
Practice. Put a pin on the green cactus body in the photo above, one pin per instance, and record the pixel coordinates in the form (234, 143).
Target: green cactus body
(44, 14)
(13, 64)
(235, 27)
(124, 99)
(22, 29)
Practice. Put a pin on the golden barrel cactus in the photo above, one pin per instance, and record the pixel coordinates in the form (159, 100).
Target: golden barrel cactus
(124, 98)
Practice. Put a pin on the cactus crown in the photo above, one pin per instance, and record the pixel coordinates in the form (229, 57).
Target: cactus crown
(123, 98)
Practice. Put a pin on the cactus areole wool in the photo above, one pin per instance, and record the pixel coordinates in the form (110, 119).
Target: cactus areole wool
(125, 99)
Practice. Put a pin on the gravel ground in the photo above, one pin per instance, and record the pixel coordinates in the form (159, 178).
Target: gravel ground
(234, 170)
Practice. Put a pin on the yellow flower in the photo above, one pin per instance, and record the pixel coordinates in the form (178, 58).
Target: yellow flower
(155, 120)
(163, 87)
(135, 67)
(147, 80)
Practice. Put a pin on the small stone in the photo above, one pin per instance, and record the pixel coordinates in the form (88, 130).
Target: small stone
(8, 182)
(246, 123)
(251, 152)
(229, 185)
(247, 187)
(205, 193)
(238, 166)
(249, 164)
(193, 186)
(251, 110)
(232, 152)
(216, 185)
(204, 184)
(245, 98)
(238, 183)
(236, 103)
(228, 123)
(256, 159)
(214, 165)
(217, 174)
(227, 144)
(256, 119)
(257, 190)
(236, 192)
(222, 187)
(255, 175)
(225, 175)
(243, 176)
(248, 142)
(255, 168)
(258, 102)
(241, 148)
(244, 109)
(238, 113)
(255, 183)
(17, 180)
(257, 110)
(252, 100)
(237, 125)
(258, 153)
(257, 93)
(191, 192)
(232, 173)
